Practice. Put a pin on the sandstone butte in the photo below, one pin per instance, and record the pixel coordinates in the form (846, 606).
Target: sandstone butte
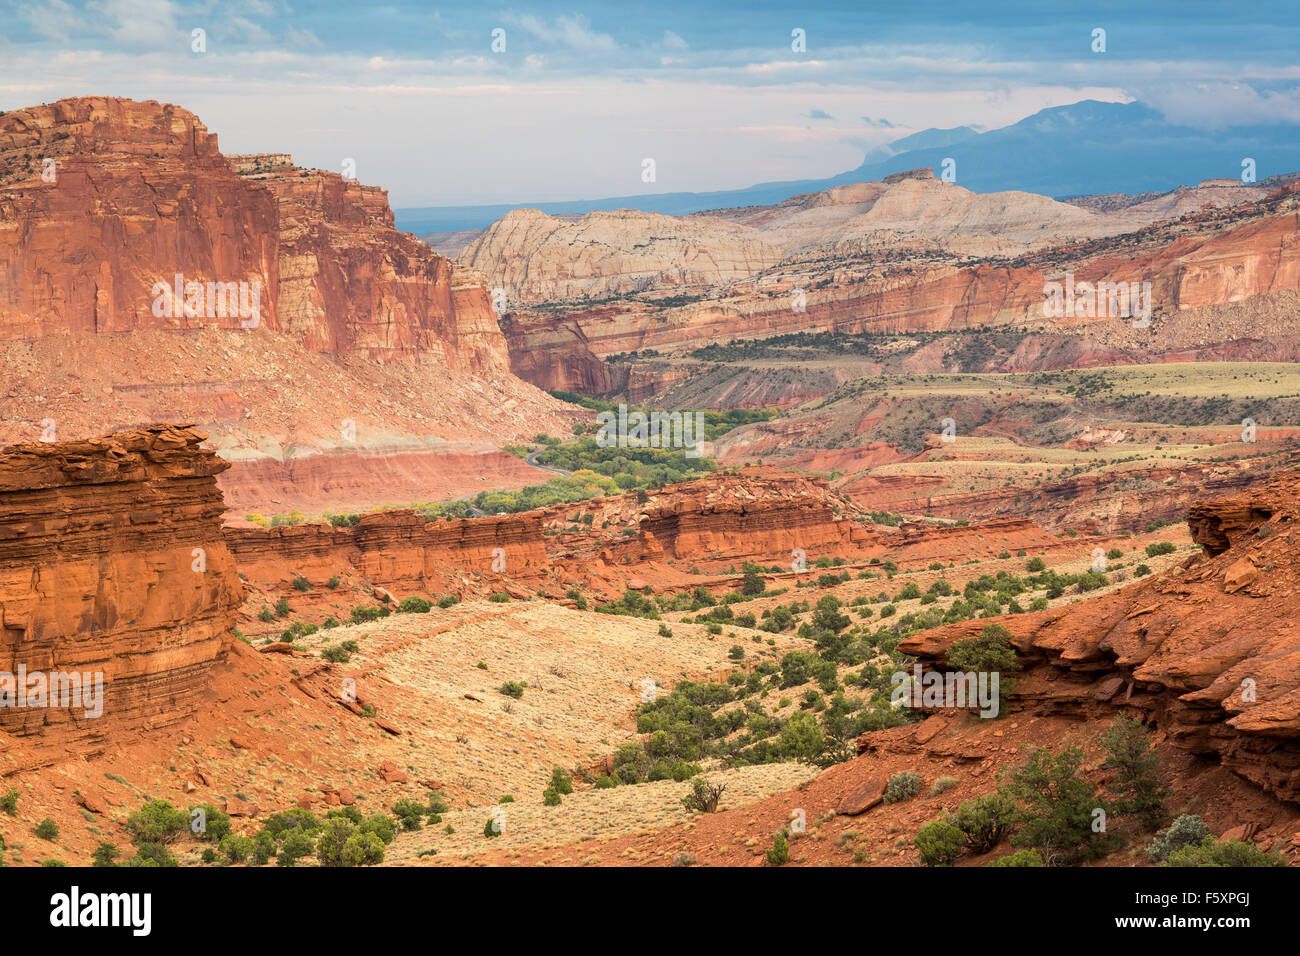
(1208, 654)
(141, 193)
(112, 561)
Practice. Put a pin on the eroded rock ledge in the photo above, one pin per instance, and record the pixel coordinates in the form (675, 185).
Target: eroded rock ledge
(1209, 653)
(112, 562)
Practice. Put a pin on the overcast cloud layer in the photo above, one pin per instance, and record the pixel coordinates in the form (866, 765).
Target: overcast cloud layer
(582, 94)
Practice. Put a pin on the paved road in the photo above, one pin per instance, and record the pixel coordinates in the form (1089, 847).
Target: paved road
(532, 460)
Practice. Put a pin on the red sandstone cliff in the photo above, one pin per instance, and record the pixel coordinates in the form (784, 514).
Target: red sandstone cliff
(111, 562)
(398, 550)
(1223, 287)
(1208, 653)
(136, 194)
(139, 193)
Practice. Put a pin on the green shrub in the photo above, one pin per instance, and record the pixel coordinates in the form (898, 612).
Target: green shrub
(500, 597)
(704, 796)
(492, 828)
(779, 855)
(437, 804)
(300, 583)
(1139, 787)
(368, 612)
(1025, 857)
(415, 605)
(297, 843)
(282, 608)
(939, 843)
(903, 786)
(212, 824)
(9, 802)
(1160, 547)
(1034, 565)
(561, 782)
(985, 820)
(990, 651)
(105, 854)
(550, 798)
(1222, 853)
(335, 654)
(410, 813)
(1186, 830)
(152, 854)
(448, 600)
(942, 785)
(1057, 805)
(237, 848)
(156, 822)
(333, 582)
(513, 688)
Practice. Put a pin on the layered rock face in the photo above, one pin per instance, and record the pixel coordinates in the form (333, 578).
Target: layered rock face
(137, 193)
(1208, 653)
(350, 282)
(102, 198)
(1222, 286)
(112, 563)
(536, 257)
(398, 550)
(765, 514)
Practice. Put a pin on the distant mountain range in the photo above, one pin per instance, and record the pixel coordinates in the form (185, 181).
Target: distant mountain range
(1085, 148)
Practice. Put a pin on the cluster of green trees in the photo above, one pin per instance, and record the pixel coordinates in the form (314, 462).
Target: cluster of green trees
(343, 837)
(1057, 816)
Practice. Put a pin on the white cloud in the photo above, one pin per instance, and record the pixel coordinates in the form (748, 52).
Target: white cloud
(574, 33)
(139, 23)
(53, 19)
(671, 41)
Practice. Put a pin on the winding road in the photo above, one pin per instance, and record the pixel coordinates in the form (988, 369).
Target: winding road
(531, 460)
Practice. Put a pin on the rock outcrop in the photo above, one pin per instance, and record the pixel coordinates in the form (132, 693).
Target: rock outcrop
(112, 565)
(535, 257)
(1223, 286)
(764, 514)
(1208, 653)
(126, 196)
(397, 550)
(103, 198)
(538, 258)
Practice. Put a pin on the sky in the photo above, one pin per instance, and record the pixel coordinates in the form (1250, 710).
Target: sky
(483, 103)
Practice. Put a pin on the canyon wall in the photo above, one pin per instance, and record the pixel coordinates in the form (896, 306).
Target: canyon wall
(138, 193)
(397, 550)
(112, 562)
(134, 194)
(1222, 287)
(1208, 652)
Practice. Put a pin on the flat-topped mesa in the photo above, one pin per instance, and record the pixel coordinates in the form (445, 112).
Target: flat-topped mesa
(1207, 653)
(136, 200)
(112, 567)
(762, 514)
(258, 164)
